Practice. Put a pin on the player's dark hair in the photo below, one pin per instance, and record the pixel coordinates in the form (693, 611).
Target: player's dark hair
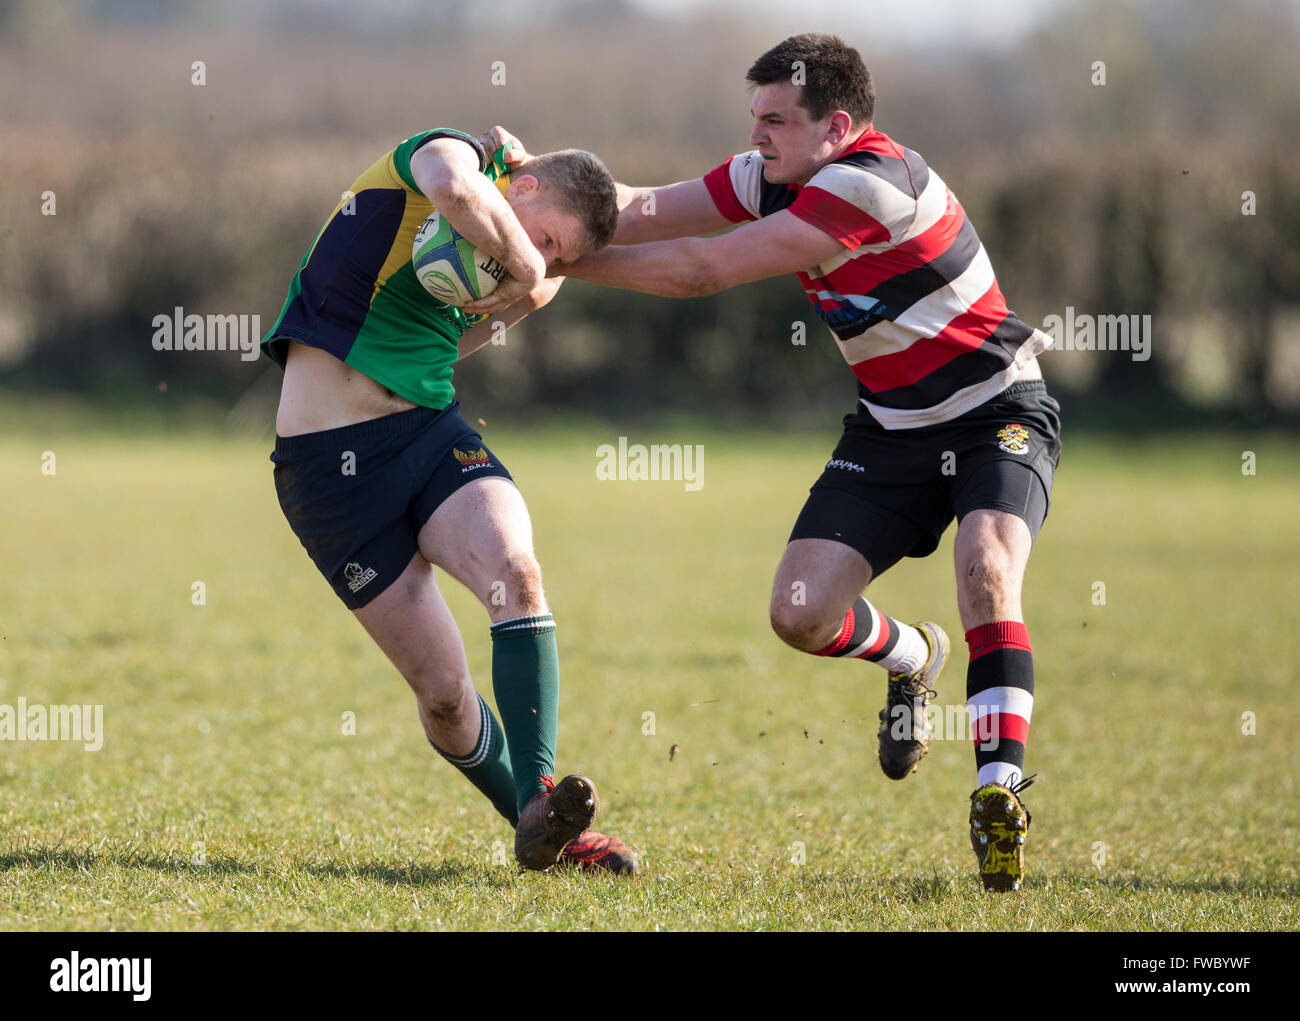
(833, 75)
(582, 185)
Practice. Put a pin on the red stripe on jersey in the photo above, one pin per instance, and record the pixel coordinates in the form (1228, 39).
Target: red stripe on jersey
(811, 285)
(996, 726)
(879, 143)
(869, 270)
(1001, 634)
(839, 218)
(718, 181)
(964, 333)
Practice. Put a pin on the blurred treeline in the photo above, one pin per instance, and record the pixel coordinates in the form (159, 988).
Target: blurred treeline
(1119, 198)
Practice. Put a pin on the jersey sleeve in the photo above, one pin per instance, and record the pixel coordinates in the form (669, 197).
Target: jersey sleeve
(737, 186)
(852, 206)
(403, 153)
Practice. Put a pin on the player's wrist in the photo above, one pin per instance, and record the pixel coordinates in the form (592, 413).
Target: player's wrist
(526, 265)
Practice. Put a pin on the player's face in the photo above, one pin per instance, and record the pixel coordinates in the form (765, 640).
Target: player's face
(558, 234)
(792, 145)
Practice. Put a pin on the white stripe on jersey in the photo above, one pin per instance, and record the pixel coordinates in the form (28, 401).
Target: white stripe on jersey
(747, 180)
(928, 317)
(875, 196)
(937, 309)
(931, 207)
(966, 398)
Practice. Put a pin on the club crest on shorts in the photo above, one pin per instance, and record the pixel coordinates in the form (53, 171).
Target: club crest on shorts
(358, 578)
(1014, 439)
(470, 460)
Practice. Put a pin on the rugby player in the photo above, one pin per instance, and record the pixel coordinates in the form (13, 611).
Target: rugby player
(382, 479)
(953, 418)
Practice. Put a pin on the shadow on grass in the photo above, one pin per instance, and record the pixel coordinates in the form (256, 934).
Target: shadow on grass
(89, 859)
(936, 885)
(921, 888)
(1269, 886)
(414, 874)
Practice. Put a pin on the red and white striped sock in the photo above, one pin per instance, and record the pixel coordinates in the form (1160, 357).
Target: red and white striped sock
(1000, 698)
(868, 634)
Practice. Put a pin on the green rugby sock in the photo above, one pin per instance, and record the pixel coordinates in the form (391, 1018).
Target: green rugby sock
(526, 681)
(487, 767)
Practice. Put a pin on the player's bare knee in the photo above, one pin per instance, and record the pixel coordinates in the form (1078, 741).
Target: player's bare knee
(800, 627)
(442, 696)
(519, 589)
(447, 709)
(989, 577)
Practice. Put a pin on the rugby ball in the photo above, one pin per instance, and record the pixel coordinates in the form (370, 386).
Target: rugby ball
(450, 268)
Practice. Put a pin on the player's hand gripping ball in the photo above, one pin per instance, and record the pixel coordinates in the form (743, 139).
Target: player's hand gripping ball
(449, 267)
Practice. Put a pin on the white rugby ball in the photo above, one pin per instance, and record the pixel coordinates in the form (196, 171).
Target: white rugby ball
(450, 268)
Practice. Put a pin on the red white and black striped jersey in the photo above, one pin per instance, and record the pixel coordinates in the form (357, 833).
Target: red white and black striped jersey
(912, 301)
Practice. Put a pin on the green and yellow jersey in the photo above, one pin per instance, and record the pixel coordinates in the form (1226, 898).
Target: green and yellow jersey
(355, 294)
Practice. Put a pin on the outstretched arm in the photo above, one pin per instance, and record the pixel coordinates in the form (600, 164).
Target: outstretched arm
(645, 214)
(673, 211)
(690, 267)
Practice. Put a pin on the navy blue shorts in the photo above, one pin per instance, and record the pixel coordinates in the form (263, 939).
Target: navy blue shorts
(357, 497)
(892, 493)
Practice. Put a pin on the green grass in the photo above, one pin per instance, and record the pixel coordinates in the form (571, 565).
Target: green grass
(226, 795)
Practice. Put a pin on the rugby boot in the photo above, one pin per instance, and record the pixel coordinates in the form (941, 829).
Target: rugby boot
(596, 852)
(553, 818)
(998, 826)
(904, 726)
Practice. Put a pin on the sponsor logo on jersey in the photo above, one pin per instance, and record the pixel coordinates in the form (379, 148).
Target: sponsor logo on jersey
(471, 460)
(844, 465)
(852, 317)
(359, 577)
(1014, 439)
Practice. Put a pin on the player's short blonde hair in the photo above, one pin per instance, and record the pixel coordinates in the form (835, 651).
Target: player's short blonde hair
(580, 184)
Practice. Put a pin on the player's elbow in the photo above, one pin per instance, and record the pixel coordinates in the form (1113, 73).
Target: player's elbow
(445, 190)
(443, 184)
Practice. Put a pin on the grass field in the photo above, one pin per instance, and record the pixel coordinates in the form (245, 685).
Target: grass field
(227, 795)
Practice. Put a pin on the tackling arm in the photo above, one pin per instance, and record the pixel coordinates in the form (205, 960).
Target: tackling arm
(690, 267)
(645, 214)
(673, 211)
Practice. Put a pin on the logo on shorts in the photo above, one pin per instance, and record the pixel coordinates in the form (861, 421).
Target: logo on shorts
(1014, 439)
(471, 460)
(359, 578)
(844, 465)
